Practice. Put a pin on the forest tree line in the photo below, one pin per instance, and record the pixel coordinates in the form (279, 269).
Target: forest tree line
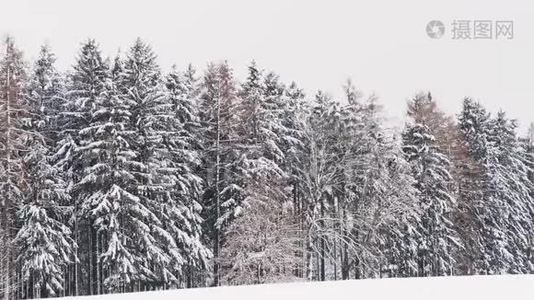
(118, 177)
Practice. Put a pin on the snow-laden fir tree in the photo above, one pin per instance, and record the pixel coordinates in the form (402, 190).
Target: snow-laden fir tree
(153, 254)
(224, 194)
(473, 126)
(122, 226)
(46, 87)
(107, 191)
(86, 86)
(431, 171)
(503, 204)
(45, 243)
(179, 154)
(293, 119)
(510, 184)
(86, 83)
(487, 232)
(14, 134)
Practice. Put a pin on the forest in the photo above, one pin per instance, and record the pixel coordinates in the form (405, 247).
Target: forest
(119, 177)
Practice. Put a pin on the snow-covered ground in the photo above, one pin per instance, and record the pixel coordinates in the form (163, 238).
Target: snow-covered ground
(516, 287)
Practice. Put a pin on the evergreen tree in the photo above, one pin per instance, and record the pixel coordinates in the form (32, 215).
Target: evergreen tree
(109, 187)
(179, 155)
(430, 168)
(154, 254)
(512, 189)
(504, 204)
(45, 243)
(224, 193)
(46, 87)
(473, 126)
(14, 134)
(86, 87)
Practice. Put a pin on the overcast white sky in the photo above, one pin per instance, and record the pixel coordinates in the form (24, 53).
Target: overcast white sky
(381, 45)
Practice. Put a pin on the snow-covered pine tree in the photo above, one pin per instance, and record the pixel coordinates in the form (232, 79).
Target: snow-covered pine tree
(46, 86)
(222, 175)
(45, 244)
(85, 87)
(475, 211)
(14, 134)
(155, 254)
(107, 190)
(501, 204)
(179, 154)
(64, 159)
(512, 188)
(431, 171)
(468, 177)
(293, 117)
(279, 121)
(261, 131)
(86, 83)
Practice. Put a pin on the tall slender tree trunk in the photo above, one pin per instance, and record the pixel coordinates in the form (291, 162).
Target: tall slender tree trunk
(217, 241)
(309, 257)
(76, 263)
(323, 245)
(345, 254)
(8, 199)
(98, 265)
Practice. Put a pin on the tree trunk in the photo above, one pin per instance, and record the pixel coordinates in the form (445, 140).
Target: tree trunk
(323, 245)
(345, 267)
(217, 241)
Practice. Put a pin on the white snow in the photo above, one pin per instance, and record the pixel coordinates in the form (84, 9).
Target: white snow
(509, 287)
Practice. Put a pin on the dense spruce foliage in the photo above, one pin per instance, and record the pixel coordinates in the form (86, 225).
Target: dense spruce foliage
(117, 177)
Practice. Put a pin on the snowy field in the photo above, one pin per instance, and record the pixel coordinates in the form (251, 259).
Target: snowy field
(515, 287)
